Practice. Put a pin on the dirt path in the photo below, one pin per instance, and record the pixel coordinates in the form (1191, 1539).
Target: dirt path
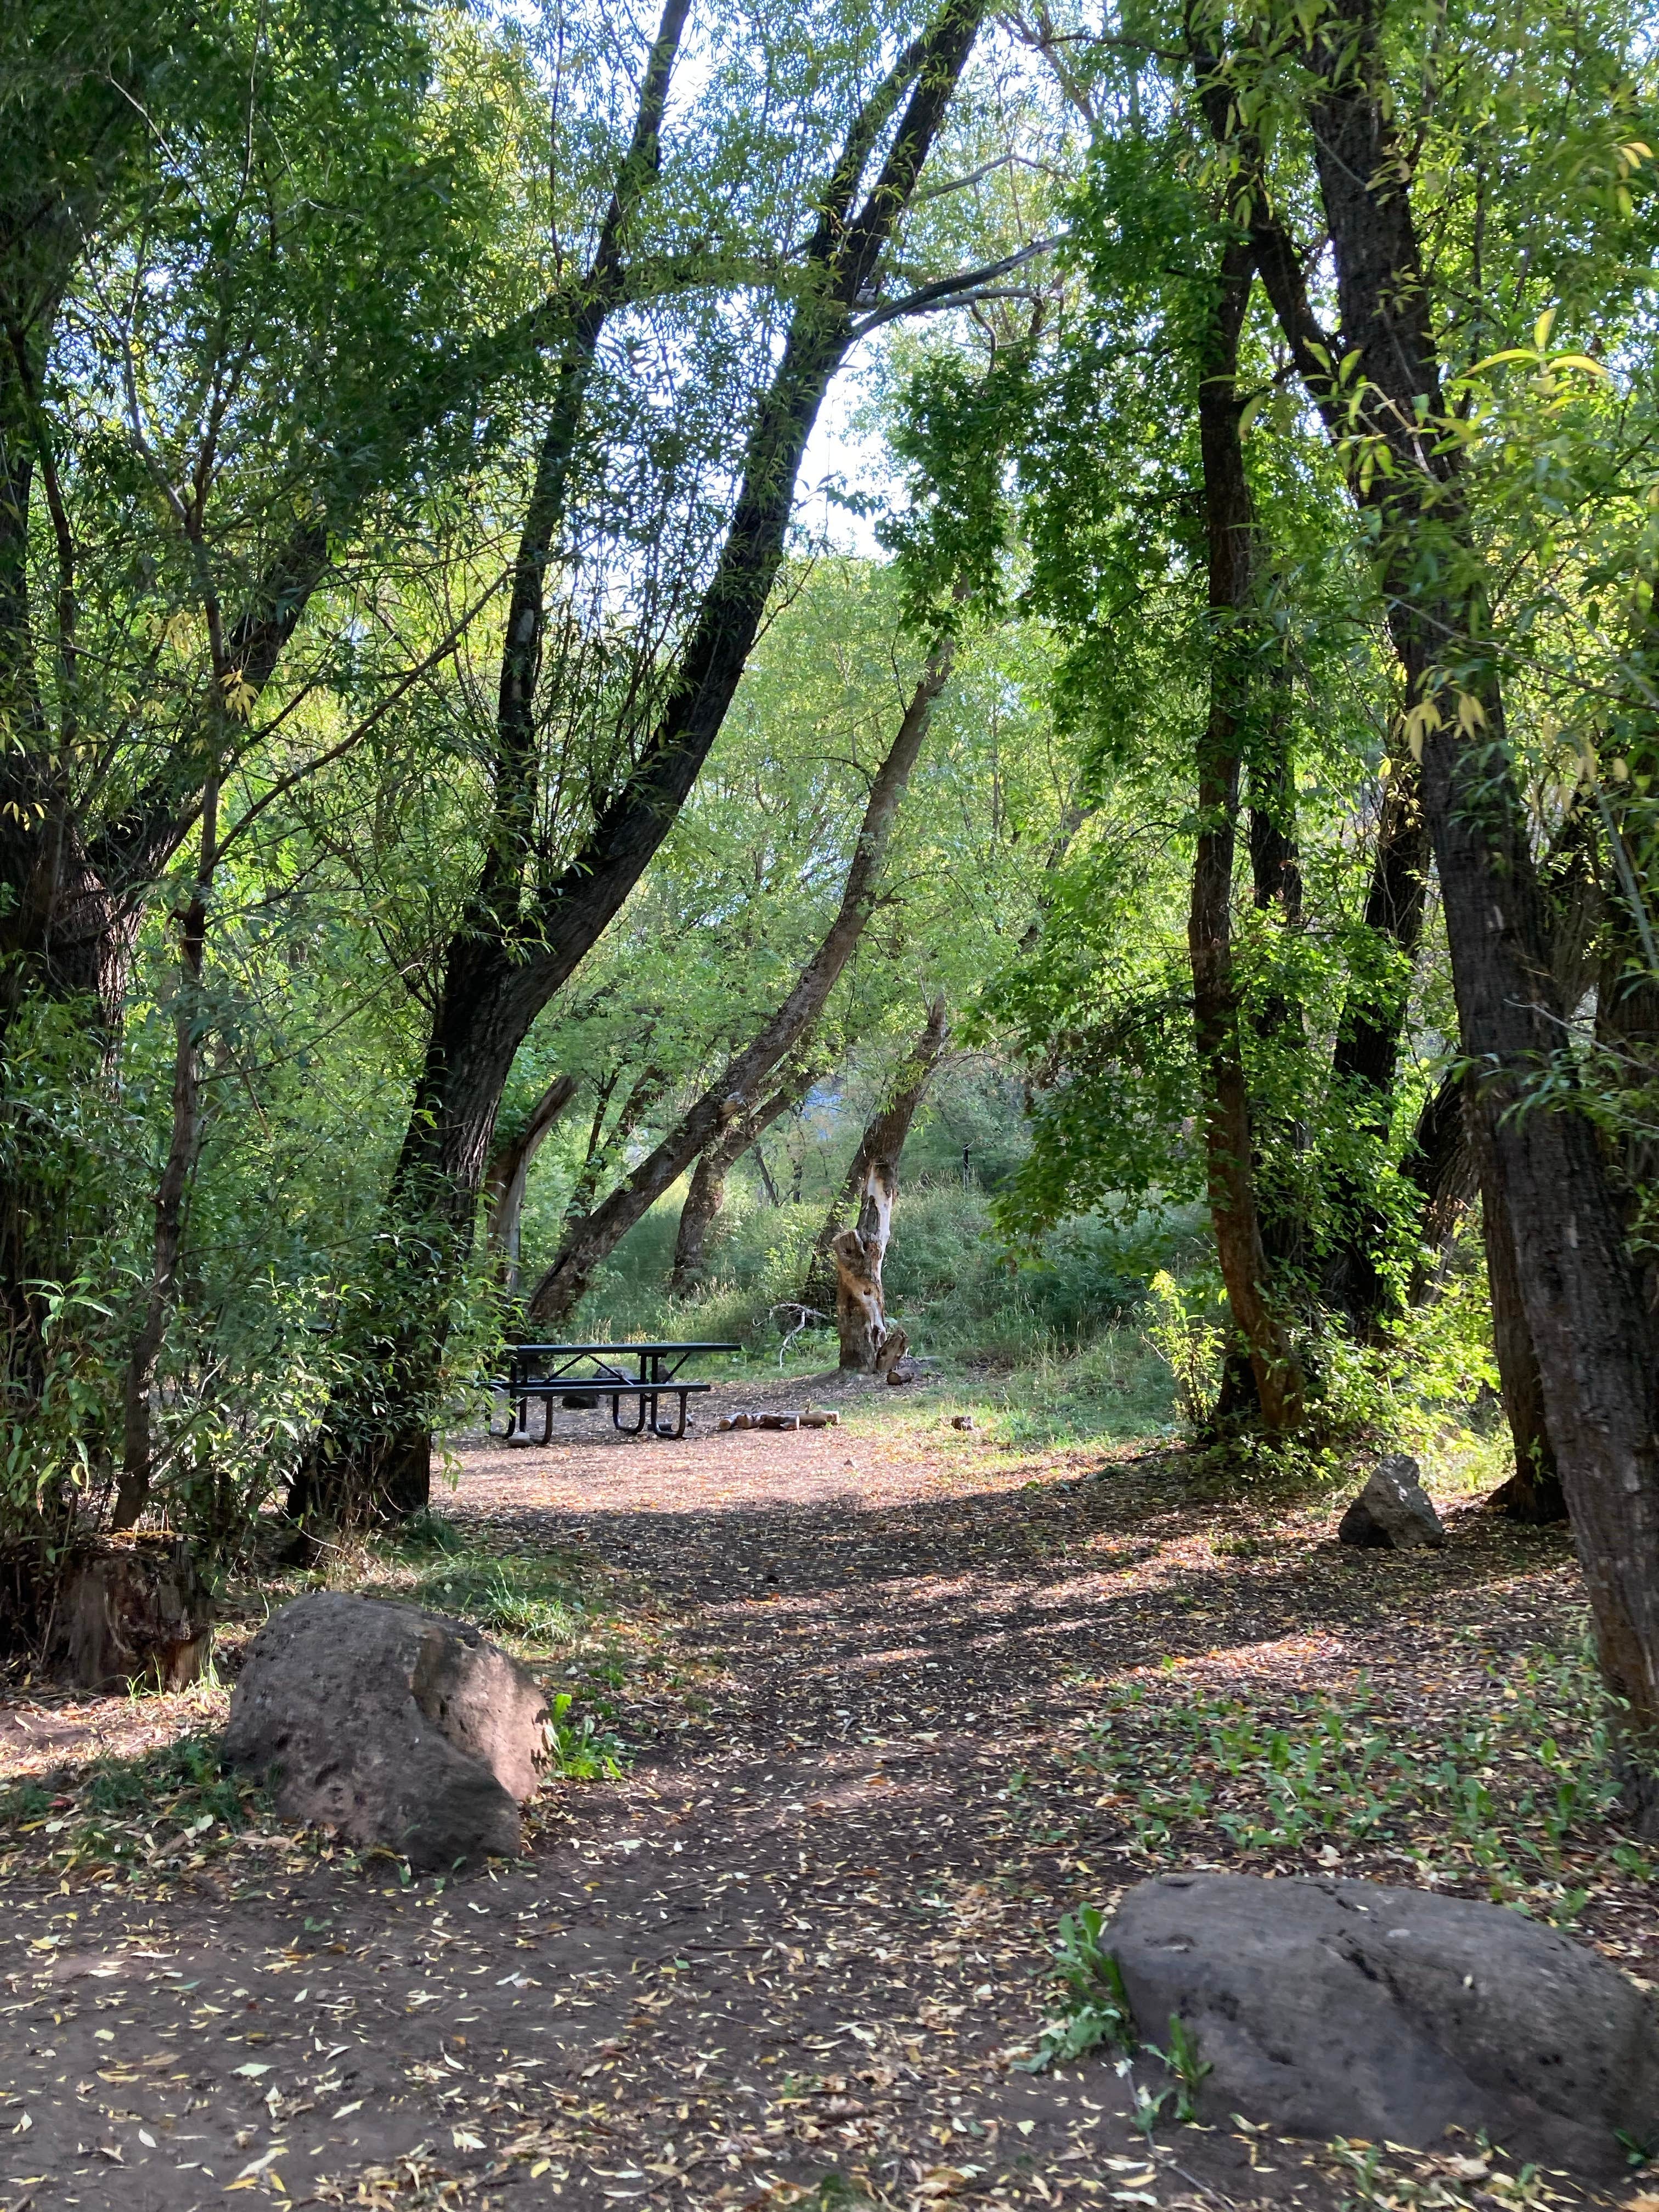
(794, 1947)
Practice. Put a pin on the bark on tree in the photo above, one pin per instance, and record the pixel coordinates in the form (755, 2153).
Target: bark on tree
(184, 1145)
(509, 1171)
(1366, 1057)
(591, 1240)
(1276, 891)
(879, 1148)
(869, 1346)
(707, 1194)
(1533, 1493)
(1279, 1385)
(1596, 1342)
(372, 1458)
(1440, 1164)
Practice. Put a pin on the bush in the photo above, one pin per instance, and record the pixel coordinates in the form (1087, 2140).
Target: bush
(949, 1278)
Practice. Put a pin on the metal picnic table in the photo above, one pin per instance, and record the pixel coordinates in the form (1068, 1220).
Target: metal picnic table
(578, 1375)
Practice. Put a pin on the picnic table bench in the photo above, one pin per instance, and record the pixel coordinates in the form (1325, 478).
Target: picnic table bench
(579, 1375)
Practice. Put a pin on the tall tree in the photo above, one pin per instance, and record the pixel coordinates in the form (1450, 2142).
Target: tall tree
(1236, 662)
(1378, 385)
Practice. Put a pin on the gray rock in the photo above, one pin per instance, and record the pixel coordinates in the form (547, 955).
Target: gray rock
(1344, 2007)
(390, 1726)
(1393, 1510)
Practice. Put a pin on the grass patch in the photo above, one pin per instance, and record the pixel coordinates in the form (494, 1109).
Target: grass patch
(531, 1602)
(1511, 1797)
(170, 1810)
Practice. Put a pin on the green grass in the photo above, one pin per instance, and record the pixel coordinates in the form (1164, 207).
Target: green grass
(532, 1603)
(171, 1807)
(1516, 1796)
(949, 1280)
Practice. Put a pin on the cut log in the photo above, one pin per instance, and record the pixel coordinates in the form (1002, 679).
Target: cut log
(133, 1610)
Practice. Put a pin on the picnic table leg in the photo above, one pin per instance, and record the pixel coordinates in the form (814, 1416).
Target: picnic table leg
(615, 1417)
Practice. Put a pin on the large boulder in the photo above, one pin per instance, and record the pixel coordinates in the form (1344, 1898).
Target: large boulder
(390, 1726)
(1329, 2007)
(1393, 1510)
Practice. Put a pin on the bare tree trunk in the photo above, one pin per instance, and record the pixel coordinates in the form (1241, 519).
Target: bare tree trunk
(881, 1144)
(707, 1194)
(591, 1240)
(868, 1345)
(1280, 1390)
(509, 1171)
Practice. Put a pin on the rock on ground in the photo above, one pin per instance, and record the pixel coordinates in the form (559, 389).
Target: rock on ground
(391, 1726)
(1330, 2008)
(1393, 1510)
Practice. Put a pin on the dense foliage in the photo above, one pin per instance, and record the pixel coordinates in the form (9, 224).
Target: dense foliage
(464, 749)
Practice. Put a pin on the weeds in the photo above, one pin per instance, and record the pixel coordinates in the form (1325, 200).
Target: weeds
(578, 1750)
(172, 1807)
(1512, 1796)
(1181, 2059)
(1094, 2010)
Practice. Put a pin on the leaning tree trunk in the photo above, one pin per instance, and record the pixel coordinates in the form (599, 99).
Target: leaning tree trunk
(727, 1099)
(520, 940)
(879, 1147)
(869, 1345)
(508, 1172)
(1597, 1343)
(707, 1194)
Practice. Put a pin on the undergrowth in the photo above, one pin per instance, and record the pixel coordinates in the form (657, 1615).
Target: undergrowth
(171, 1810)
(1515, 1798)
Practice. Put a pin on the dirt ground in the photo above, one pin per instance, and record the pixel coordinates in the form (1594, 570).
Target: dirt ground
(796, 1947)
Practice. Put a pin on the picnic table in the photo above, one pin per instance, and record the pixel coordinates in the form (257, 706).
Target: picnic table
(577, 1376)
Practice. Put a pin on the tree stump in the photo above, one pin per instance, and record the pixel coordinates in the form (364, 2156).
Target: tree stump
(132, 1608)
